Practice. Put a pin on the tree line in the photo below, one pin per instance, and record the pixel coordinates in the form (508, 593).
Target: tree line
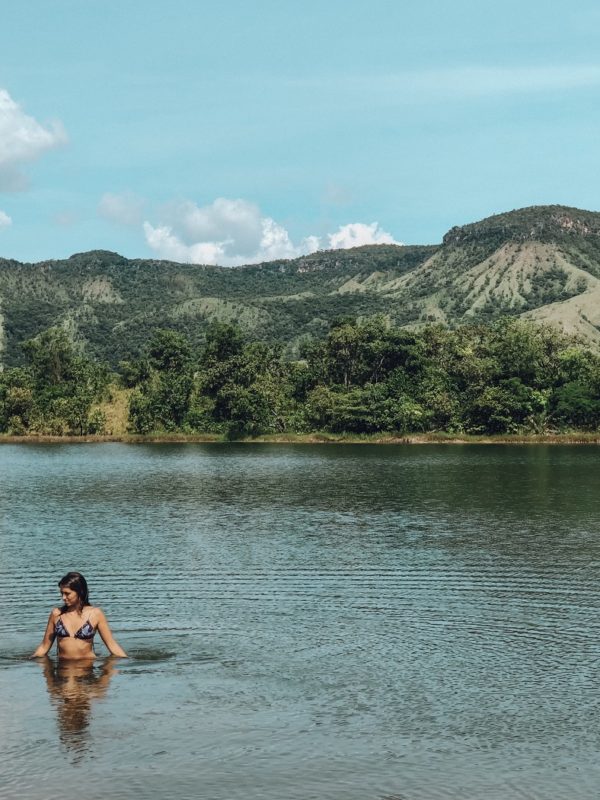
(364, 376)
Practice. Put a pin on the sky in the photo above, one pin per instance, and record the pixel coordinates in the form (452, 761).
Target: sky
(237, 132)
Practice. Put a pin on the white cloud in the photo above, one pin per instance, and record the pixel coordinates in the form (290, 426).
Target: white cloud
(226, 232)
(235, 232)
(124, 209)
(5, 220)
(167, 245)
(236, 223)
(22, 139)
(357, 234)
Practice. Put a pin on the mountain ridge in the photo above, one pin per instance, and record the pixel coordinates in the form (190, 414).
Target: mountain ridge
(540, 262)
(530, 223)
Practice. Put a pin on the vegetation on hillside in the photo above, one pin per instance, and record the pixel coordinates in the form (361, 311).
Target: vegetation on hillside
(543, 262)
(362, 377)
(112, 305)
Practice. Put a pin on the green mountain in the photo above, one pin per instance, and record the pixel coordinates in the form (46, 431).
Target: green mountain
(541, 262)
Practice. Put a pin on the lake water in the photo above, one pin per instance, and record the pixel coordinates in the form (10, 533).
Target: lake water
(343, 622)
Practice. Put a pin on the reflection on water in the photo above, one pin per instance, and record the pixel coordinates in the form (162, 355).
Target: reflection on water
(73, 687)
(340, 623)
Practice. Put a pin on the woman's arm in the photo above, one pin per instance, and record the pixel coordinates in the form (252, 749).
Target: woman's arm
(107, 637)
(49, 636)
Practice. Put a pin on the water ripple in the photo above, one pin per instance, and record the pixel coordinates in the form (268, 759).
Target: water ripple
(357, 623)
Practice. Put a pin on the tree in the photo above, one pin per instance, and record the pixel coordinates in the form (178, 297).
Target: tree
(576, 405)
(51, 356)
(162, 400)
(16, 400)
(504, 408)
(65, 384)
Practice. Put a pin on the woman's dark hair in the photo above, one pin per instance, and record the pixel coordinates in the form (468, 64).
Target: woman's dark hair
(76, 582)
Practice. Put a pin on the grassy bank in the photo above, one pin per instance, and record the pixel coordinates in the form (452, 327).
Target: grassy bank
(573, 437)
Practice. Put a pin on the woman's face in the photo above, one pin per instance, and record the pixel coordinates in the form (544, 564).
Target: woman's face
(69, 597)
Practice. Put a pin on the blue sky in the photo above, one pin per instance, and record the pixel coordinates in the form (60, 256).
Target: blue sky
(236, 132)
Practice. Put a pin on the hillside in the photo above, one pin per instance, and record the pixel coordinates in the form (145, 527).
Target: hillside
(542, 262)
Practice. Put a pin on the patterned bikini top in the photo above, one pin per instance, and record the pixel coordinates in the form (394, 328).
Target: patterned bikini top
(86, 631)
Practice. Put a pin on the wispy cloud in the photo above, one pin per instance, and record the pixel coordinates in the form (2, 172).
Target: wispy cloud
(22, 139)
(5, 220)
(65, 218)
(335, 194)
(125, 208)
(479, 80)
(461, 81)
(235, 232)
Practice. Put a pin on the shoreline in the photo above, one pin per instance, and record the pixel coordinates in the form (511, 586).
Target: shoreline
(589, 438)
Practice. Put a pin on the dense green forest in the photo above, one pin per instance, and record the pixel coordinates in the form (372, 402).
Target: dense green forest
(363, 376)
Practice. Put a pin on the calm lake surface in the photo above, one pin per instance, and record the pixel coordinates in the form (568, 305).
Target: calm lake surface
(344, 622)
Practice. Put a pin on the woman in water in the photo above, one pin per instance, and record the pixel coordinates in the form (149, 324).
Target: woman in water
(75, 624)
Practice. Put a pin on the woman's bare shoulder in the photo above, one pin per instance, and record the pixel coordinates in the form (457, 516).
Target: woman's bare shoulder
(56, 612)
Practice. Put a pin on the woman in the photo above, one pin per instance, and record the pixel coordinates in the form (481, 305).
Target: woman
(75, 624)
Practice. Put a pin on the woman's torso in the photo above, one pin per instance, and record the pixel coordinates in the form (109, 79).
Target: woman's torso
(75, 632)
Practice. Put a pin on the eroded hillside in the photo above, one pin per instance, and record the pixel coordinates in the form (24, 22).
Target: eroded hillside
(542, 262)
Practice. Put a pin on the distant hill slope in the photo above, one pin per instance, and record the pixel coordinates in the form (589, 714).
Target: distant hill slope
(541, 262)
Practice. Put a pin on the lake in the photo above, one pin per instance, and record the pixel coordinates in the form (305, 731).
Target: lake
(346, 622)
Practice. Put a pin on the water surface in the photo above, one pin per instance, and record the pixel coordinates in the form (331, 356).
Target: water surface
(344, 622)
